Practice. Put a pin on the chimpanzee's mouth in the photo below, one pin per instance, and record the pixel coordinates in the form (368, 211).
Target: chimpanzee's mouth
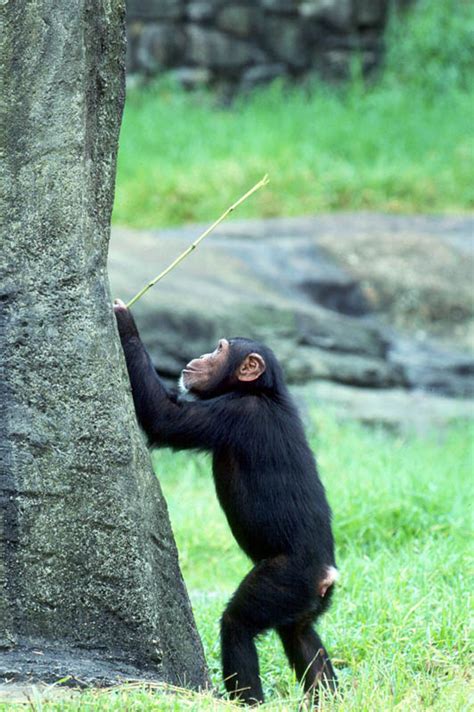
(190, 369)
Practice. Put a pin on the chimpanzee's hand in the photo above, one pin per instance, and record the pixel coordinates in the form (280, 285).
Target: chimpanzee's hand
(125, 321)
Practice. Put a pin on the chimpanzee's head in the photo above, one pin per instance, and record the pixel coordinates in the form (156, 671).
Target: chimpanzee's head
(236, 364)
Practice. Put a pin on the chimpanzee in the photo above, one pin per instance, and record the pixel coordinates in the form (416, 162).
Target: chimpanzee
(267, 484)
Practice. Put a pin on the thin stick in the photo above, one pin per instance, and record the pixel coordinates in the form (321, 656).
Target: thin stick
(257, 186)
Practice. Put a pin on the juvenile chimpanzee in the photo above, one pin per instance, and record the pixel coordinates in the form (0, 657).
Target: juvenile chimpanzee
(267, 484)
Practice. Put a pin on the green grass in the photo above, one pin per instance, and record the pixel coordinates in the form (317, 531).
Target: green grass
(403, 143)
(399, 627)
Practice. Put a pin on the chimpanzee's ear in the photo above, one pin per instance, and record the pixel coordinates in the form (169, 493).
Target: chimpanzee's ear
(251, 368)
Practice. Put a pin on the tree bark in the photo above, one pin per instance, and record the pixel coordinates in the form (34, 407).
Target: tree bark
(89, 579)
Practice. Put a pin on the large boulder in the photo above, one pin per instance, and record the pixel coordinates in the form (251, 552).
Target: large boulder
(396, 409)
(290, 283)
(416, 273)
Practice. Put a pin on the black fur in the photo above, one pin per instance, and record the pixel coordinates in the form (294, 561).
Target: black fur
(267, 484)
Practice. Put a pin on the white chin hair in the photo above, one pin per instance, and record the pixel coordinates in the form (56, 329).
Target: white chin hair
(182, 386)
(184, 392)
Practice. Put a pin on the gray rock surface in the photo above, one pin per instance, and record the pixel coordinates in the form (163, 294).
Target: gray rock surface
(191, 77)
(416, 273)
(370, 13)
(241, 20)
(201, 11)
(89, 577)
(337, 14)
(294, 284)
(151, 9)
(286, 40)
(14, 693)
(235, 39)
(159, 45)
(260, 74)
(393, 408)
(211, 48)
(284, 6)
(434, 369)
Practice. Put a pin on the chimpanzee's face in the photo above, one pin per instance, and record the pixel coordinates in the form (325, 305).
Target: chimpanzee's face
(205, 373)
(221, 371)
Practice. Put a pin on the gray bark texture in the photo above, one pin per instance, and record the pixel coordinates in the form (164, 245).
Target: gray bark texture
(90, 584)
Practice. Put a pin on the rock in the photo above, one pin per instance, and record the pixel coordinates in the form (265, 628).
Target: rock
(242, 296)
(160, 45)
(371, 13)
(335, 14)
(286, 40)
(280, 281)
(416, 273)
(153, 10)
(332, 63)
(212, 48)
(394, 408)
(336, 63)
(20, 693)
(201, 11)
(326, 330)
(303, 35)
(240, 20)
(433, 369)
(261, 74)
(284, 6)
(191, 77)
(134, 30)
(303, 364)
(337, 291)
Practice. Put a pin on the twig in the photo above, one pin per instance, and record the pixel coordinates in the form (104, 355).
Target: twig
(257, 186)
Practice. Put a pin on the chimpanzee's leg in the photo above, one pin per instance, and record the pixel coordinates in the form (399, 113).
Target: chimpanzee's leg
(273, 594)
(240, 660)
(307, 655)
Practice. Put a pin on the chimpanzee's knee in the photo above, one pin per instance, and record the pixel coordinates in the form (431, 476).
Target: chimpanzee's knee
(233, 628)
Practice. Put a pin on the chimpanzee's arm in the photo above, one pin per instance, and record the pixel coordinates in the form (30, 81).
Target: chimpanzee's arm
(178, 425)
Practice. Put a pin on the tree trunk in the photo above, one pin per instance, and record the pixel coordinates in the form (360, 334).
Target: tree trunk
(89, 579)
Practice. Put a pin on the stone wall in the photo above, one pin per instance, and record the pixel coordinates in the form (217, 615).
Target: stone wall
(248, 42)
